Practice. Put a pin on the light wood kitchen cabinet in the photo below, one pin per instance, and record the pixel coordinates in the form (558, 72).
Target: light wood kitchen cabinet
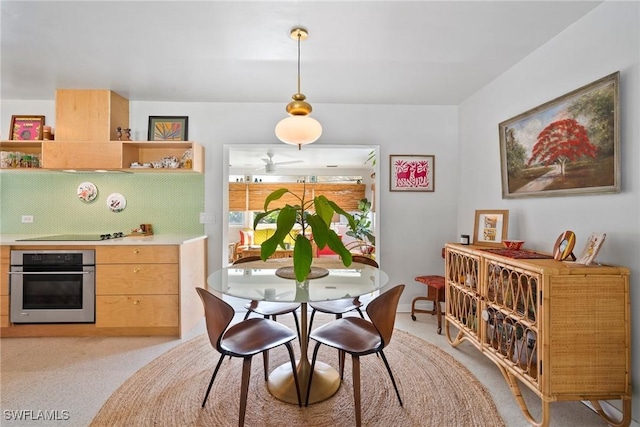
(137, 286)
(561, 329)
(86, 137)
(5, 252)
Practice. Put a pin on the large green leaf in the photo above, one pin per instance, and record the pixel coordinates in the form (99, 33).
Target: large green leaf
(302, 258)
(323, 209)
(319, 230)
(335, 243)
(284, 225)
(352, 223)
(274, 196)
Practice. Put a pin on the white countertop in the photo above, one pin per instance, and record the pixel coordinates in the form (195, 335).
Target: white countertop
(156, 239)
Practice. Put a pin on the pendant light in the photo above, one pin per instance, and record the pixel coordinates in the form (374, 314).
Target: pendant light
(299, 128)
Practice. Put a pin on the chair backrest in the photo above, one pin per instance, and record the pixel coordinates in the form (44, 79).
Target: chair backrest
(382, 312)
(247, 259)
(365, 260)
(218, 315)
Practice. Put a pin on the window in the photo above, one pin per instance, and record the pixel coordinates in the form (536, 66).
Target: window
(236, 218)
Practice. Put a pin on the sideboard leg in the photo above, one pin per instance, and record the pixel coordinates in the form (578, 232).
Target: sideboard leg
(515, 390)
(626, 413)
(454, 342)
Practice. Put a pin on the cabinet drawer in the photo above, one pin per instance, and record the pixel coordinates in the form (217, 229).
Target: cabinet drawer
(118, 279)
(137, 254)
(136, 311)
(4, 270)
(4, 305)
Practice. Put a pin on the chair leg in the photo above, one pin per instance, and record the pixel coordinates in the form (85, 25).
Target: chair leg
(265, 361)
(355, 361)
(213, 377)
(244, 389)
(341, 355)
(393, 381)
(438, 309)
(313, 364)
(295, 318)
(313, 313)
(295, 371)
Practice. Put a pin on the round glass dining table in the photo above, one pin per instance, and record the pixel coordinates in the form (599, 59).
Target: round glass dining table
(257, 280)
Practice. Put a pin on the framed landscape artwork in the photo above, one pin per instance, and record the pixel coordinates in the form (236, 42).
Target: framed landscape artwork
(569, 145)
(490, 227)
(168, 128)
(411, 172)
(26, 128)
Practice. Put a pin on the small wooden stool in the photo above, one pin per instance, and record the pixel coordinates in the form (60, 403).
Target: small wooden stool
(435, 293)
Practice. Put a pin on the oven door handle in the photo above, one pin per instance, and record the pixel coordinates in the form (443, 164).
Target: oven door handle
(49, 272)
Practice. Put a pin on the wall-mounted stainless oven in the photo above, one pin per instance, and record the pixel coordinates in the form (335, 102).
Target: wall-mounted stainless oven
(52, 286)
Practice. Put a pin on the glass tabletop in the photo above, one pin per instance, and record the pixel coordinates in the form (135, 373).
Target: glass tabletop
(258, 281)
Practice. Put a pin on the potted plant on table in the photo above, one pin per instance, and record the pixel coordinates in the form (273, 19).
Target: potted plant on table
(315, 214)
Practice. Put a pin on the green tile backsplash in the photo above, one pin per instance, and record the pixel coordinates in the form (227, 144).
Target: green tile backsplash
(171, 202)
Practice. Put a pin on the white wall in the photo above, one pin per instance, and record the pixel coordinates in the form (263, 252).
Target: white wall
(604, 41)
(414, 226)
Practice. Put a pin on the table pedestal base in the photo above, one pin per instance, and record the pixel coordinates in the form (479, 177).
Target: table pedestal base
(282, 386)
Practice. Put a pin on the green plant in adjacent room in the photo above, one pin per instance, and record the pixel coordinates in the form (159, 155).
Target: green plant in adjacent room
(362, 229)
(315, 214)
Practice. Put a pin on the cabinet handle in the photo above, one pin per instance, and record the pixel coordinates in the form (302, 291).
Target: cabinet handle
(136, 301)
(137, 269)
(136, 251)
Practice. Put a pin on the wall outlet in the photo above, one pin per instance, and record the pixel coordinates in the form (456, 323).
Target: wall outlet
(207, 218)
(27, 219)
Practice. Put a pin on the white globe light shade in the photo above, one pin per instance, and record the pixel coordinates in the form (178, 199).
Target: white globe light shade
(298, 130)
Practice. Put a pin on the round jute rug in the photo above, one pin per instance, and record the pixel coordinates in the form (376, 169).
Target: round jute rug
(436, 391)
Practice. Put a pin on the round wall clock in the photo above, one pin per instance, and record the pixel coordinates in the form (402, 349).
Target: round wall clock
(563, 248)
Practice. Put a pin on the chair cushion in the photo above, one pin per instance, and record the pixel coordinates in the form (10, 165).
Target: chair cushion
(337, 306)
(246, 237)
(436, 282)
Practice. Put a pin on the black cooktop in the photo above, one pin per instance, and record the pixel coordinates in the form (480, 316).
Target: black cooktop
(72, 237)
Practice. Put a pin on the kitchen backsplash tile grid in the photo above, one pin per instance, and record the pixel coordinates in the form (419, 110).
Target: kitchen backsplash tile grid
(171, 202)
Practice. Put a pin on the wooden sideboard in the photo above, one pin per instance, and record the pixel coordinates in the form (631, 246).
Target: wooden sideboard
(561, 329)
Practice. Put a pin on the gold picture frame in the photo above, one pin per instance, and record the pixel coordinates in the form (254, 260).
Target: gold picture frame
(490, 227)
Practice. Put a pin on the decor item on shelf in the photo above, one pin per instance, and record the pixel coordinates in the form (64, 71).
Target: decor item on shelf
(591, 248)
(143, 230)
(298, 129)
(168, 128)
(514, 245)
(569, 145)
(317, 214)
(490, 227)
(411, 172)
(26, 127)
(563, 248)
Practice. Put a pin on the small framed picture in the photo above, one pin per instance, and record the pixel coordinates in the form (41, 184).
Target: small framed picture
(411, 172)
(168, 128)
(26, 128)
(490, 227)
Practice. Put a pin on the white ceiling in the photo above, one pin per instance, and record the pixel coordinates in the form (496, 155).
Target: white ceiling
(358, 52)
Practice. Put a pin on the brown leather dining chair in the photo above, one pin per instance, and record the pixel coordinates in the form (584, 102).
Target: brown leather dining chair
(341, 306)
(360, 337)
(244, 339)
(269, 309)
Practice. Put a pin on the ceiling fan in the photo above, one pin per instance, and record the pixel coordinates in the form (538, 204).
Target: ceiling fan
(271, 166)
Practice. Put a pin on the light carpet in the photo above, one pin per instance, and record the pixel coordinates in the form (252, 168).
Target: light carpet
(436, 391)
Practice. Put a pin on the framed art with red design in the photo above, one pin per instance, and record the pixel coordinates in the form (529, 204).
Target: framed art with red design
(26, 128)
(412, 172)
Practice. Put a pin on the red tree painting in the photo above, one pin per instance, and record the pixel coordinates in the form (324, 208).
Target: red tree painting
(560, 142)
